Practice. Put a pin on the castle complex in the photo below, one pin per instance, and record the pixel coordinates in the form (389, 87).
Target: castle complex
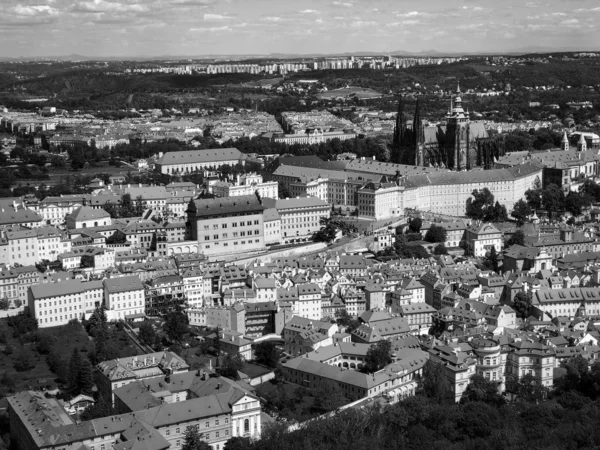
(453, 145)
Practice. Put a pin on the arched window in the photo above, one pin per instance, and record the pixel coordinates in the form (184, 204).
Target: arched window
(95, 224)
(246, 426)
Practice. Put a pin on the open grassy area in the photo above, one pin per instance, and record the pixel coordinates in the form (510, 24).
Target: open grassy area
(62, 339)
(119, 340)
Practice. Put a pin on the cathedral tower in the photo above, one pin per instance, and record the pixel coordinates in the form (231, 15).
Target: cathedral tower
(457, 134)
(582, 144)
(400, 138)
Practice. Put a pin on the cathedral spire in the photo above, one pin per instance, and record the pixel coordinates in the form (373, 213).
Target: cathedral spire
(418, 135)
(458, 87)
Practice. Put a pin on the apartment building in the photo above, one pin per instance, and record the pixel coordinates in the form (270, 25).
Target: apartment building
(377, 201)
(30, 246)
(116, 373)
(227, 225)
(300, 217)
(247, 184)
(531, 358)
(55, 304)
(198, 160)
(309, 302)
(54, 210)
(568, 302)
(481, 237)
(14, 213)
(86, 217)
(124, 298)
(272, 223)
(394, 382)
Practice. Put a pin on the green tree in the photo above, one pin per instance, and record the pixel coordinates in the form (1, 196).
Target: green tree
(434, 383)
(574, 203)
(98, 328)
(440, 249)
(237, 443)
(23, 361)
(497, 214)
(482, 390)
(85, 380)
(4, 303)
(534, 198)
(139, 207)
(193, 440)
(553, 199)
(176, 326)
(522, 305)
(481, 205)
(415, 225)
(521, 212)
(74, 371)
(518, 238)
(493, 259)
(379, 355)
(436, 234)
(267, 353)
(229, 367)
(328, 396)
(147, 334)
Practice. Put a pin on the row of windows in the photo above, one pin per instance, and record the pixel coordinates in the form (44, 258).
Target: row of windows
(226, 244)
(234, 234)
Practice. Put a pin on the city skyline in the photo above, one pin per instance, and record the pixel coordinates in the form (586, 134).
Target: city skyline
(102, 28)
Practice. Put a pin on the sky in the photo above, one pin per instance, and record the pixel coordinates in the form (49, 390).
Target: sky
(121, 28)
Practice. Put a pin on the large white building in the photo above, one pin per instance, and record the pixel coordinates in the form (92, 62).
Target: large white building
(55, 304)
(380, 200)
(32, 246)
(197, 160)
(124, 298)
(448, 192)
(300, 217)
(246, 185)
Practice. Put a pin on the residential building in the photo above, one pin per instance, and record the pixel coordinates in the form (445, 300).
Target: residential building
(227, 225)
(55, 304)
(481, 237)
(86, 216)
(190, 161)
(300, 217)
(124, 298)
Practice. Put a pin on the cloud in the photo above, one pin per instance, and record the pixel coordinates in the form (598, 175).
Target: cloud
(33, 11)
(569, 22)
(410, 14)
(211, 29)
(274, 19)
(309, 11)
(101, 6)
(344, 4)
(216, 17)
(191, 2)
(362, 24)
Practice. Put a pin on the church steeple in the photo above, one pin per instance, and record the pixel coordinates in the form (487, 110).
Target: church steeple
(419, 135)
(399, 132)
(565, 142)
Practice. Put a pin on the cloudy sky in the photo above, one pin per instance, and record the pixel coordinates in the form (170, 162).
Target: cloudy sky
(202, 27)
